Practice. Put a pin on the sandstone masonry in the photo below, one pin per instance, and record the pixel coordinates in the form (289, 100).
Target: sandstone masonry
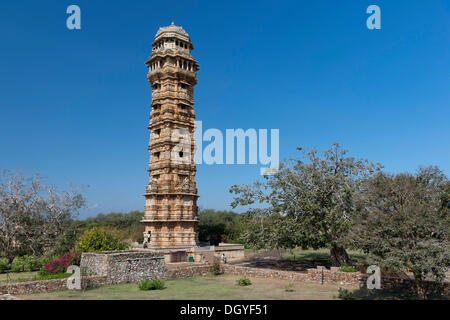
(171, 213)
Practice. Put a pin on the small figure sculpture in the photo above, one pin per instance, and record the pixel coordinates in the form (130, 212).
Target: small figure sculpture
(185, 184)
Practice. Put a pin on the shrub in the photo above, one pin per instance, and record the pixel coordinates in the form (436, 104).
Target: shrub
(4, 264)
(344, 294)
(18, 264)
(289, 288)
(216, 267)
(346, 268)
(100, 239)
(45, 260)
(61, 264)
(151, 285)
(31, 263)
(243, 282)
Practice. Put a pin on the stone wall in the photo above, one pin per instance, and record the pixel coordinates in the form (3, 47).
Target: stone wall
(133, 266)
(232, 251)
(263, 273)
(18, 288)
(186, 270)
(124, 266)
(320, 274)
(333, 275)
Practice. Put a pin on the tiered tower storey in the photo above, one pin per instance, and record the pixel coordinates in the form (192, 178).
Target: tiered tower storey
(171, 212)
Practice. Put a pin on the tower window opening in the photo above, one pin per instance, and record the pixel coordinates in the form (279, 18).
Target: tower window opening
(180, 154)
(156, 107)
(156, 155)
(157, 132)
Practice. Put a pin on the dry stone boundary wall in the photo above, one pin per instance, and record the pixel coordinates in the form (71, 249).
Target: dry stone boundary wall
(124, 267)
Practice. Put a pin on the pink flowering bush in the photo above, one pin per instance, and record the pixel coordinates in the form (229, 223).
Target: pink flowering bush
(61, 264)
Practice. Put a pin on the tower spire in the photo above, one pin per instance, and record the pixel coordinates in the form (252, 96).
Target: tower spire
(171, 213)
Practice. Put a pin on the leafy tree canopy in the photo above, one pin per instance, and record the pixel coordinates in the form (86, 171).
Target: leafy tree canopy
(309, 202)
(127, 225)
(218, 226)
(100, 239)
(405, 223)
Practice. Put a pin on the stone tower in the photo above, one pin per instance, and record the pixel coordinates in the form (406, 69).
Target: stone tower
(171, 213)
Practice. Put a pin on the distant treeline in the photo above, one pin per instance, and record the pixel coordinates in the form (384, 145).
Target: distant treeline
(214, 226)
(128, 225)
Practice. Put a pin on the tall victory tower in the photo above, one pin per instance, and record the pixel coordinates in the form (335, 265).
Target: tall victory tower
(171, 213)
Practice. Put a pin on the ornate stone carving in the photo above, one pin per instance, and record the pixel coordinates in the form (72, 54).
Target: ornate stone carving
(172, 218)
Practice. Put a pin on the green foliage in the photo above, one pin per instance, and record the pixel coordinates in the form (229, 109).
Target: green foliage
(67, 242)
(61, 263)
(289, 288)
(31, 263)
(50, 276)
(4, 264)
(308, 203)
(100, 239)
(216, 267)
(405, 223)
(21, 264)
(214, 226)
(346, 268)
(18, 264)
(151, 285)
(243, 282)
(39, 276)
(45, 260)
(218, 226)
(344, 294)
(128, 226)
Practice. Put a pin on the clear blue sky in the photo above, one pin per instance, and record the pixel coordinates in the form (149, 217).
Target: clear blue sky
(75, 104)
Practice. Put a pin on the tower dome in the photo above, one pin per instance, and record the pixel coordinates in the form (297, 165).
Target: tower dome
(172, 31)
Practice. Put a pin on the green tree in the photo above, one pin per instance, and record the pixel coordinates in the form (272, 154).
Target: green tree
(100, 239)
(128, 225)
(405, 223)
(218, 226)
(309, 202)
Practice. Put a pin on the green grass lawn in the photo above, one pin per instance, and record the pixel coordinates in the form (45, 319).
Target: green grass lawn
(29, 276)
(203, 288)
(18, 276)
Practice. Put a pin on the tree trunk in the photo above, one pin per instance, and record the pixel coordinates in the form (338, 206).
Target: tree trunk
(338, 256)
